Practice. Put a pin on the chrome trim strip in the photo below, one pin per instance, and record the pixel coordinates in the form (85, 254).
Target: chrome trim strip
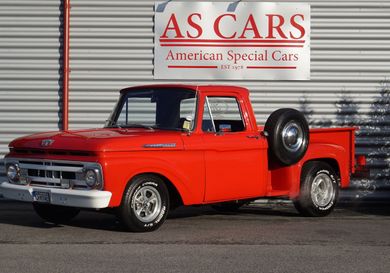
(51, 168)
(44, 179)
(13, 159)
(160, 145)
(54, 180)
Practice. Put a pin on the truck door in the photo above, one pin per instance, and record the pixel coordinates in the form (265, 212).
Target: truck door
(234, 158)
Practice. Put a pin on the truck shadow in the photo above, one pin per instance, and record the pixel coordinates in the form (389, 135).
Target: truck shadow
(376, 209)
(21, 214)
(377, 204)
(195, 211)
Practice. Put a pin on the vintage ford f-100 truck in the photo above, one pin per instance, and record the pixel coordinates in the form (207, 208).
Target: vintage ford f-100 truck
(170, 145)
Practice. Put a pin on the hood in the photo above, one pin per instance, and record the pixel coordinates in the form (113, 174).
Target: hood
(102, 140)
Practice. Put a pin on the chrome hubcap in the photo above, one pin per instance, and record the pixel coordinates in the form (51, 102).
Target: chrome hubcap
(292, 136)
(146, 203)
(322, 190)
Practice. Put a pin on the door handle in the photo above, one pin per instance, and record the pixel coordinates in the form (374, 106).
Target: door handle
(254, 136)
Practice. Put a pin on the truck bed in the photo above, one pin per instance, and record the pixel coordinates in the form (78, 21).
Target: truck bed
(336, 146)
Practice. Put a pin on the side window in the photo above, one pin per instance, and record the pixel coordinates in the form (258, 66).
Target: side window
(222, 114)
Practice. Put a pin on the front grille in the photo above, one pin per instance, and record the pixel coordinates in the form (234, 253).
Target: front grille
(50, 152)
(50, 173)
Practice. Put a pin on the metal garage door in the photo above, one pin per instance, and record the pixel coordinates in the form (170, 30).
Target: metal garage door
(29, 68)
(112, 47)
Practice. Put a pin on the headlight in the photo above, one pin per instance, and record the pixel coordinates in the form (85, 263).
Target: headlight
(92, 178)
(13, 172)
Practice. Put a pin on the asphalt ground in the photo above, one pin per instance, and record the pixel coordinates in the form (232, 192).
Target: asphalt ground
(262, 237)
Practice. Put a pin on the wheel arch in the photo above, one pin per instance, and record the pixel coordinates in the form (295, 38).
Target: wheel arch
(334, 155)
(175, 197)
(331, 161)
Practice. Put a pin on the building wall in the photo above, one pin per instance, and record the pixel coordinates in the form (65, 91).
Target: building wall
(112, 47)
(29, 68)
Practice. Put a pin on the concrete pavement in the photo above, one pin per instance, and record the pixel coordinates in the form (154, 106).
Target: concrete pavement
(264, 237)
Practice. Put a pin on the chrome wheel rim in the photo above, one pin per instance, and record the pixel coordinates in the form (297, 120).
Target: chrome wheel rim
(146, 203)
(292, 136)
(322, 190)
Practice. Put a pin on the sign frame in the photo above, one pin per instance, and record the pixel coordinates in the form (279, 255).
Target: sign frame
(232, 41)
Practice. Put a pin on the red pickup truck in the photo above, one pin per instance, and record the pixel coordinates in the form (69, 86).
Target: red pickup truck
(170, 145)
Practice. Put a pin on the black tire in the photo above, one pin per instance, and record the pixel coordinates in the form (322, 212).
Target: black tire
(55, 214)
(228, 206)
(317, 177)
(283, 149)
(138, 214)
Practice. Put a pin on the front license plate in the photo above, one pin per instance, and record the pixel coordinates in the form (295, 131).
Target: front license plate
(41, 196)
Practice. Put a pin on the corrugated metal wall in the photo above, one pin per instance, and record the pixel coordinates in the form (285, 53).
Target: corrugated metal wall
(29, 68)
(112, 47)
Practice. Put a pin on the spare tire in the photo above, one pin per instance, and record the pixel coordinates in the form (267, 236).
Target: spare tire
(288, 136)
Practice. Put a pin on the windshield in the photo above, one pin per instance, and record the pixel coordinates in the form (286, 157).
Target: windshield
(161, 108)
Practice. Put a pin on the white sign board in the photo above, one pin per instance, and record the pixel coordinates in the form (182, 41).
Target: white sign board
(232, 40)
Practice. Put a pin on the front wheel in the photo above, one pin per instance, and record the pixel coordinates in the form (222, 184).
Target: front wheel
(319, 189)
(145, 204)
(55, 214)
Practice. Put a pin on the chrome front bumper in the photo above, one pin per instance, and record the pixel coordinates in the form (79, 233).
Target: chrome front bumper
(94, 199)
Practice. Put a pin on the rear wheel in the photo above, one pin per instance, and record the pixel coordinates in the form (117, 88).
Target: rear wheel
(55, 214)
(145, 204)
(319, 189)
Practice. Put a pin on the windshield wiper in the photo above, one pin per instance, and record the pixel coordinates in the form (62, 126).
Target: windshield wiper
(115, 126)
(136, 125)
(112, 124)
(166, 128)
